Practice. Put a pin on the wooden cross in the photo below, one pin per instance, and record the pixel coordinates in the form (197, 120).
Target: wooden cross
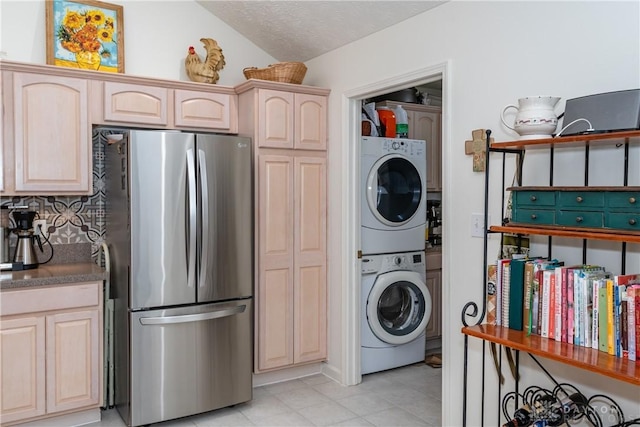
(477, 147)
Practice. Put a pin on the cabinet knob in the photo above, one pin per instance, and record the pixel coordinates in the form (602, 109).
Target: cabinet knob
(534, 216)
(533, 198)
(579, 219)
(632, 200)
(579, 199)
(632, 221)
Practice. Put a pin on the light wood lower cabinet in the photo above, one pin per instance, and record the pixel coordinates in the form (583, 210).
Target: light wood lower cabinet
(292, 301)
(50, 351)
(434, 285)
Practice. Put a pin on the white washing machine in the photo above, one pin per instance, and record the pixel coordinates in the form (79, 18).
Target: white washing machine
(396, 307)
(393, 195)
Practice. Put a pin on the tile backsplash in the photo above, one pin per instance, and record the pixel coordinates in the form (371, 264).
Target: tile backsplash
(74, 219)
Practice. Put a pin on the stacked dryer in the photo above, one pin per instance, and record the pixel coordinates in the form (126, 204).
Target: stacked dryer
(396, 305)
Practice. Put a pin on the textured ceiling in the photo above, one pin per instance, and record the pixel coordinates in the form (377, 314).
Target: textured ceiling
(302, 30)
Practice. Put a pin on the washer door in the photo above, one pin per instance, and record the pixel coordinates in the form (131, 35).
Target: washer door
(398, 307)
(394, 190)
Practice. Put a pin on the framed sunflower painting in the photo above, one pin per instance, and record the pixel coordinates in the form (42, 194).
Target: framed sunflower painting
(85, 34)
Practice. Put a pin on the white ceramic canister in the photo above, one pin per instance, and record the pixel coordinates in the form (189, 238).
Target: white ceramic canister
(535, 117)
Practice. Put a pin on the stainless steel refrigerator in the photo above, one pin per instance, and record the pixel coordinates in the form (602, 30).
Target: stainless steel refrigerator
(179, 217)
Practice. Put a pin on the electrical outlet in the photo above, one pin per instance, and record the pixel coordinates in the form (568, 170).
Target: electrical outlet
(37, 224)
(477, 224)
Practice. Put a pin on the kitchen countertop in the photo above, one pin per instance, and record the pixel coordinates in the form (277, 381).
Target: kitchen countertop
(55, 274)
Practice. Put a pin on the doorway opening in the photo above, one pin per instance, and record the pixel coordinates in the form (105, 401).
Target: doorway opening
(434, 79)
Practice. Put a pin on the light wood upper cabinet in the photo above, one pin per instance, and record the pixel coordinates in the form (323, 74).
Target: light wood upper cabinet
(310, 122)
(47, 135)
(211, 111)
(130, 103)
(292, 120)
(50, 350)
(425, 124)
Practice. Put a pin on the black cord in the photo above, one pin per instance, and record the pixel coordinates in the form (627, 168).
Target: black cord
(46, 240)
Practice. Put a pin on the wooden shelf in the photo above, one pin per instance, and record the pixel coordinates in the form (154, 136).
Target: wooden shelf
(574, 140)
(582, 357)
(574, 232)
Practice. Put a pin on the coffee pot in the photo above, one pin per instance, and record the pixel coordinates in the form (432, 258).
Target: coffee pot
(535, 117)
(25, 252)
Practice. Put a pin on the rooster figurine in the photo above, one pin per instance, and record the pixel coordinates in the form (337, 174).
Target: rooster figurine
(207, 71)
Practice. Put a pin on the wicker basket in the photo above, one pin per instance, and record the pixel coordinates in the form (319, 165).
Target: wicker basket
(285, 72)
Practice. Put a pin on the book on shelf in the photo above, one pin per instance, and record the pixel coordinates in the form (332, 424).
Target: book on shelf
(633, 318)
(500, 270)
(526, 308)
(505, 288)
(492, 278)
(546, 295)
(602, 315)
(610, 318)
(516, 293)
(621, 283)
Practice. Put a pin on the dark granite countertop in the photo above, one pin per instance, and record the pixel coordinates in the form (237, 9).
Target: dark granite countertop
(55, 274)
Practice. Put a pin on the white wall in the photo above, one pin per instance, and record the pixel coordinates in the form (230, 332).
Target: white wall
(157, 35)
(496, 52)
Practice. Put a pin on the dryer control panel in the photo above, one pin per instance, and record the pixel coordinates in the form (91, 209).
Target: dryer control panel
(410, 261)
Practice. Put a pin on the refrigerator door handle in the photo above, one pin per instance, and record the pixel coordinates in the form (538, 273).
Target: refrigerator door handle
(204, 188)
(193, 317)
(192, 226)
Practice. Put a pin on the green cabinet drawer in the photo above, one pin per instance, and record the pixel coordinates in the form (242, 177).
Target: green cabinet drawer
(534, 198)
(623, 221)
(629, 201)
(580, 199)
(580, 219)
(534, 216)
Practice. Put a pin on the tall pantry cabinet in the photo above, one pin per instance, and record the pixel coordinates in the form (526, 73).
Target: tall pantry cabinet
(287, 124)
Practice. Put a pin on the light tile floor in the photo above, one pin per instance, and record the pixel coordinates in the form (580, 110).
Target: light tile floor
(407, 396)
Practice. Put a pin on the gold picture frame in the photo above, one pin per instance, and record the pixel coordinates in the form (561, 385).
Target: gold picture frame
(86, 34)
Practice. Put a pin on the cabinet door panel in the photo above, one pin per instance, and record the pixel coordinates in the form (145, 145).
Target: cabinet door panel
(52, 134)
(275, 319)
(426, 126)
(203, 110)
(310, 290)
(73, 352)
(310, 122)
(135, 104)
(22, 368)
(275, 119)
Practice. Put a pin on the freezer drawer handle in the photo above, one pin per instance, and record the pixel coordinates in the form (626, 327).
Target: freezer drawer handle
(193, 317)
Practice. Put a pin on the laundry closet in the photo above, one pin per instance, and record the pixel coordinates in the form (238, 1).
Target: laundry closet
(401, 196)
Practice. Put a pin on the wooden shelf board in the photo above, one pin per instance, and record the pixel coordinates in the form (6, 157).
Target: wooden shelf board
(579, 233)
(585, 358)
(574, 140)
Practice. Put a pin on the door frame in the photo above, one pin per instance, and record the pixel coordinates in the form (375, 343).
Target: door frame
(351, 196)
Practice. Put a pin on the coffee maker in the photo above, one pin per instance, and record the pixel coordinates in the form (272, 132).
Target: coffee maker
(25, 253)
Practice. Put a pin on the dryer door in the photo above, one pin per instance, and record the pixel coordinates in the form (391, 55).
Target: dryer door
(398, 307)
(394, 190)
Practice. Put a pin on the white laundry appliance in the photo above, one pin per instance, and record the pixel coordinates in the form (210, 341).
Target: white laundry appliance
(393, 195)
(396, 308)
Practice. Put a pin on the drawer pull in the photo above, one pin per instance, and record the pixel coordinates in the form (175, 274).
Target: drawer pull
(632, 221)
(533, 198)
(632, 200)
(534, 216)
(579, 199)
(579, 219)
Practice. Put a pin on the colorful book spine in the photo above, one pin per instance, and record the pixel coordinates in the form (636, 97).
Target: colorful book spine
(631, 321)
(610, 319)
(506, 284)
(546, 290)
(595, 314)
(552, 305)
(527, 313)
(570, 307)
(559, 302)
(602, 315)
(491, 293)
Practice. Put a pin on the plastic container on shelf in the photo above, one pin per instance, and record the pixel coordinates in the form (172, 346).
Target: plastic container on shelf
(387, 121)
(402, 122)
